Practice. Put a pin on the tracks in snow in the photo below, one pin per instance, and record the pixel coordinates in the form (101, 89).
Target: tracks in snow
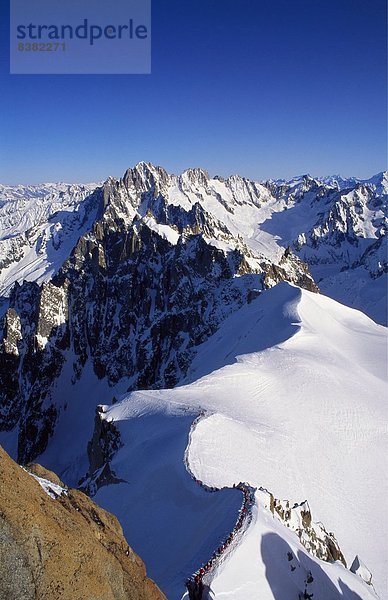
(199, 583)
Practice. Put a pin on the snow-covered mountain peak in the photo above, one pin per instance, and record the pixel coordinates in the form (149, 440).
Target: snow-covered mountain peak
(378, 182)
(144, 177)
(330, 224)
(195, 176)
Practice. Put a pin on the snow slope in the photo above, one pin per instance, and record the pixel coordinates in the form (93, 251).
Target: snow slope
(272, 564)
(39, 226)
(294, 386)
(164, 513)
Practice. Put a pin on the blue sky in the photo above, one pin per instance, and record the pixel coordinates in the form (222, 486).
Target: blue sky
(264, 88)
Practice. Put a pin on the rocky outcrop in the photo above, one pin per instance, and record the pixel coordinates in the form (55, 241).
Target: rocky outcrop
(360, 569)
(298, 518)
(101, 449)
(65, 547)
(32, 355)
(280, 272)
(43, 473)
(348, 224)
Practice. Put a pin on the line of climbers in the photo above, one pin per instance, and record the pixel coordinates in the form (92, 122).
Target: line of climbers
(195, 583)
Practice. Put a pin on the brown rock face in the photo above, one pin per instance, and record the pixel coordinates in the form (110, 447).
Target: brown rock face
(43, 473)
(66, 548)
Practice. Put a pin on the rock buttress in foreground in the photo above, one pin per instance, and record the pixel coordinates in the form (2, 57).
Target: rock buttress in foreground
(66, 548)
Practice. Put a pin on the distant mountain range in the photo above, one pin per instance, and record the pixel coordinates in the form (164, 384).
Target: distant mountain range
(336, 225)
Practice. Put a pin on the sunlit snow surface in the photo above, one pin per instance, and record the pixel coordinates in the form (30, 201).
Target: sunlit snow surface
(39, 226)
(300, 409)
(52, 489)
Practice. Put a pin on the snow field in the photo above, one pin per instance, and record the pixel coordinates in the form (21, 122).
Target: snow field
(303, 416)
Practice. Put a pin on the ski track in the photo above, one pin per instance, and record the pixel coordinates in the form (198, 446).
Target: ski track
(205, 574)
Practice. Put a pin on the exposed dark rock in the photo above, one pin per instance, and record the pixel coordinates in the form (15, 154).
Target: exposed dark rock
(313, 536)
(101, 449)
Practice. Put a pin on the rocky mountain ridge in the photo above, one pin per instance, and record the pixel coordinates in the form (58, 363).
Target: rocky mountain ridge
(329, 222)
